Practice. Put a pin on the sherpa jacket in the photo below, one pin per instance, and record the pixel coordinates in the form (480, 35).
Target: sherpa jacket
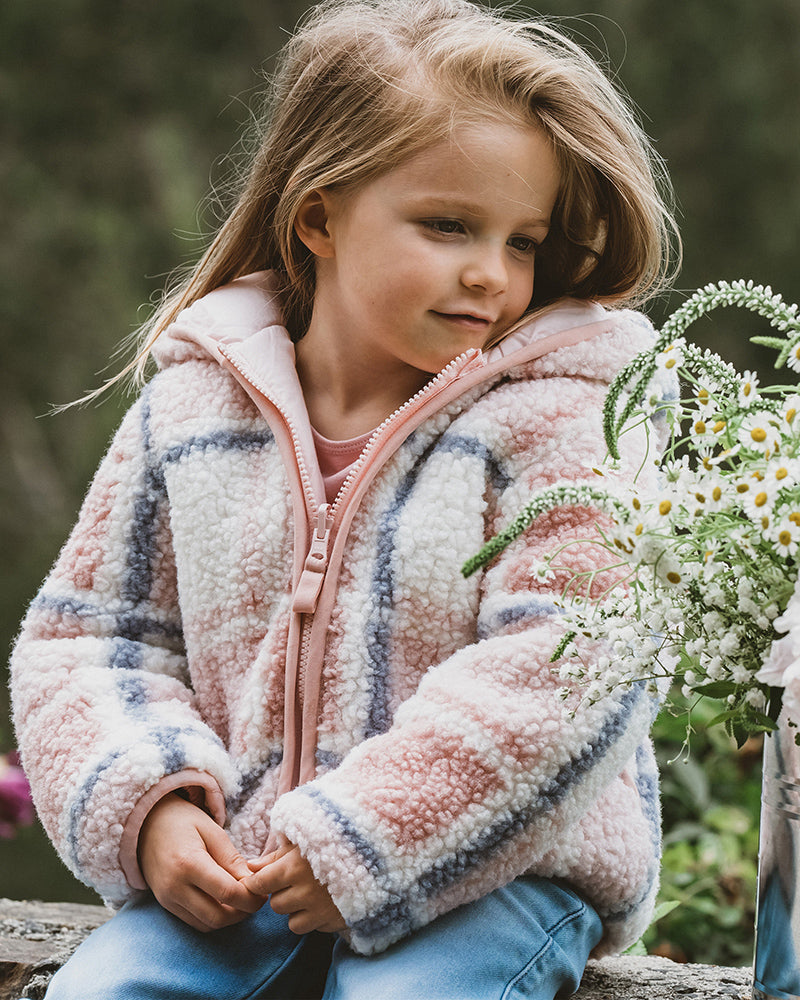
(327, 672)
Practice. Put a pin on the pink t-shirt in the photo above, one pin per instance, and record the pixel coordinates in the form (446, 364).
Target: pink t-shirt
(336, 458)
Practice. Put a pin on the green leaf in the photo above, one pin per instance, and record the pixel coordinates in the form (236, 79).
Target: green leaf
(736, 728)
(757, 722)
(777, 343)
(663, 909)
(723, 717)
(716, 689)
(637, 948)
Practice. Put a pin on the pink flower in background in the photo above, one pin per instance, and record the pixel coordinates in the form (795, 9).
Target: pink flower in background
(16, 807)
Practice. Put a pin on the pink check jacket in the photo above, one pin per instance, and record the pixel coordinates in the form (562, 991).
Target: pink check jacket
(326, 672)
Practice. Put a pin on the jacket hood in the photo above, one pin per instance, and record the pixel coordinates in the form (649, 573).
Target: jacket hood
(245, 316)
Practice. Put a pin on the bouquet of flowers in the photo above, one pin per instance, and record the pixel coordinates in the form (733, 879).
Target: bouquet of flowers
(708, 593)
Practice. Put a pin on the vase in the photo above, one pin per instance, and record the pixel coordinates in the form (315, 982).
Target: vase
(776, 967)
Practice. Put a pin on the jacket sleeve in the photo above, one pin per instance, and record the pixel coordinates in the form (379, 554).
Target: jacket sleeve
(103, 710)
(481, 776)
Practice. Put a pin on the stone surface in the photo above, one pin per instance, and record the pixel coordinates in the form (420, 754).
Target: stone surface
(651, 978)
(36, 939)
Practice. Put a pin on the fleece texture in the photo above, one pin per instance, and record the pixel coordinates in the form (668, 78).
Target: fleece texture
(156, 654)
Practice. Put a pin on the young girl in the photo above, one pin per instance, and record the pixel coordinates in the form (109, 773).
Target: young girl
(261, 709)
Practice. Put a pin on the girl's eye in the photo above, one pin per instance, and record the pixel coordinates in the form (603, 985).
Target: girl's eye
(447, 227)
(523, 244)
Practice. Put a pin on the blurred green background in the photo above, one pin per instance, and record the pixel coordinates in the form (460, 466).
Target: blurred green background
(119, 118)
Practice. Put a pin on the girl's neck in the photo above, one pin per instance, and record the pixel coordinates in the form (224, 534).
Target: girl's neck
(345, 398)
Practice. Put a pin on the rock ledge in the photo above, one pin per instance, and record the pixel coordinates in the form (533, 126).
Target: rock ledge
(37, 938)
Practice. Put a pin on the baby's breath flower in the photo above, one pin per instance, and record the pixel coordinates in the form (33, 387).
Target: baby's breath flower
(756, 699)
(571, 670)
(740, 673)
(714, 596)
(729, 644)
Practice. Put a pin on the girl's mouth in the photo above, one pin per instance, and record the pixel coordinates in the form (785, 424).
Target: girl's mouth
(465, 319)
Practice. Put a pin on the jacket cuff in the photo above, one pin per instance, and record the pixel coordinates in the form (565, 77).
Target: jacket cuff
(202, 790)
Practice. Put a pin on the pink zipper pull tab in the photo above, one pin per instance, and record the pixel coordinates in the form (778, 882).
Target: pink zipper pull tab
(310, 583)
(473, 359)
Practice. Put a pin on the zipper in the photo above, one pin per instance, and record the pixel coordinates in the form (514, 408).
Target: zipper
(469, 360)
(311, 579)
(323, 521)
(309, 586)
(305, 479)
(328, 522)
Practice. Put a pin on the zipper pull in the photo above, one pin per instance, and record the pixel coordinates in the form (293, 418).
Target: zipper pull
(310, 583)
(470, 361)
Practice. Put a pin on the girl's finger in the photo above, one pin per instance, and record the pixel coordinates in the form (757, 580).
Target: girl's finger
(205, 914)
(221, 849)
(266, 881)
(221, 887)
(287, 901)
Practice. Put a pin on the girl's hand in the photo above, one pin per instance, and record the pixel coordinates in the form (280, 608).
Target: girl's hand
(286, 877)
(192, 867)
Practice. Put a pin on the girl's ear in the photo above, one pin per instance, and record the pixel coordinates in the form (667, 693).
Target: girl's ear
(311, 223)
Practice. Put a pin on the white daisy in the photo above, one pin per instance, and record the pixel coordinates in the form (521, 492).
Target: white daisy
(670, 358)
(748, 389)
(782, 472)
(793, 360)
(758, 432)
(757, 502)
(705, 400)
(790, 409)
(785, 537)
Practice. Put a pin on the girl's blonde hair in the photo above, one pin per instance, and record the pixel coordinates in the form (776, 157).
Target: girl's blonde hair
(364, 84)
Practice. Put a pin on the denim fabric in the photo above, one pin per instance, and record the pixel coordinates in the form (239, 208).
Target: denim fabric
(527, 940)
(776, 964)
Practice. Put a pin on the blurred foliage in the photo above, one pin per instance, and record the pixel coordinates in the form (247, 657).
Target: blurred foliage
(118, 119)
(710, 800)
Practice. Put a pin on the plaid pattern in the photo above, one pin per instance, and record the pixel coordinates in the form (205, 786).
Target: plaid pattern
(156, 651)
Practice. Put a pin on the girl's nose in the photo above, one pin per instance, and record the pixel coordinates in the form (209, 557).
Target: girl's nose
(486, 270)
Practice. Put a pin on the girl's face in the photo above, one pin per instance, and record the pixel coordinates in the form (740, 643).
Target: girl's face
(435, 256)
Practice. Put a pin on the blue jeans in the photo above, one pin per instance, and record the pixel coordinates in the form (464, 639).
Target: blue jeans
(529, 940)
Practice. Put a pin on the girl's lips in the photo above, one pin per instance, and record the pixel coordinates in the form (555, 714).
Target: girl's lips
(465, 319)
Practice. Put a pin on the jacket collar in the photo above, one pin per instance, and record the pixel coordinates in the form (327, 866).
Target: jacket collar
(245, 318)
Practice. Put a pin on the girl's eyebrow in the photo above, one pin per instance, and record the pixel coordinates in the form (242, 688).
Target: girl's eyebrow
(458, 203)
